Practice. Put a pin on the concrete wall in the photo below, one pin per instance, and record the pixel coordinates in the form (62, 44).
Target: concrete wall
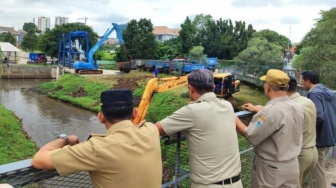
(28, 72)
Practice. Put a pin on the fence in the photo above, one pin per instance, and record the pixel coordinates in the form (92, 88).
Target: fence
(255, 80)
(174, 160)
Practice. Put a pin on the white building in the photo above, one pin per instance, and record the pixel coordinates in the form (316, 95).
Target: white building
(61, 20)
(43, 24)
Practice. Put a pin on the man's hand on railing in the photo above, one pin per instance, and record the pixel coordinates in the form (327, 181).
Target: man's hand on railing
(41, 159)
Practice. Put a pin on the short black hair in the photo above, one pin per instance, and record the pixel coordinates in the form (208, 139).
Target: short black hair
(118, 113)
(292, 84)
(312, 76)
(201, 80)
(117, 104)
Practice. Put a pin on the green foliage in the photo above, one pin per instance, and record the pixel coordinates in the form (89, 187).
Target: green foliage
(14, 144)
(222, 38)
(48, 41)
(273, 37)
(187, 36)
(139, 41)
(318, 49)
(164, 104)
(260, 56)
(225, 63)
(166, 50)
(8, 37)
(104, 55)
(29, 26)
(69, 84)
(196, 54)
(29, 41)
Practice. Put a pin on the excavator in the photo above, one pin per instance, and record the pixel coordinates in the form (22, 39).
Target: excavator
(228, 86)
(91, 66)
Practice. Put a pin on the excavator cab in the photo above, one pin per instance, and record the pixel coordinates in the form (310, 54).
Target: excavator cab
(225, 85)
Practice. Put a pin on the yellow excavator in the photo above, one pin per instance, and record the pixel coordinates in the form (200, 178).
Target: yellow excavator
(225, 84)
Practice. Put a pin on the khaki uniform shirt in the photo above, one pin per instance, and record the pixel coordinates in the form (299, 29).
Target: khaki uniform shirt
(309, 127)
(276, 130)
(127, 156)
(209, 124)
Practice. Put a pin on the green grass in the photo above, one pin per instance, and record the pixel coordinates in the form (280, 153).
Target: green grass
(14, 144)
(250, 94)
(69, 84)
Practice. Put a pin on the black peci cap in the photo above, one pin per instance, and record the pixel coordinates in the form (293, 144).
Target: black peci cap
(116, 98)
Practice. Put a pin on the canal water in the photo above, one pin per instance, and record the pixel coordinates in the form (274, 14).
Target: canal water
(44, 118)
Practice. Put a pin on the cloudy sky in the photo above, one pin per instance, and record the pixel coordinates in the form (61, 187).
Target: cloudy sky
(292, 18)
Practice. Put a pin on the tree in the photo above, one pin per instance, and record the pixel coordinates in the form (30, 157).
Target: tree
(187, 36)
(318, 49)
(166, 50)
(48, 41)
(29, 26)
(274, 37)
(196, 54)
(259, 56)
(139, 40)
(222, 38)
(29, 41)
(8, 37)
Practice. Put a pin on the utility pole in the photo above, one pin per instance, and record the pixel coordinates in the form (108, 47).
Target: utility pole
(84, 18)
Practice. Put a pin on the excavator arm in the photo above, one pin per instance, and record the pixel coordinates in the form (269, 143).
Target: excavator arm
(156, 85)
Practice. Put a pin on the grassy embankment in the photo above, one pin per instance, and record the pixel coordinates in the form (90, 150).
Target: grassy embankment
(14, 144)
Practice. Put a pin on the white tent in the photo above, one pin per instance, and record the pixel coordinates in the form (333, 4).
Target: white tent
(8, 47)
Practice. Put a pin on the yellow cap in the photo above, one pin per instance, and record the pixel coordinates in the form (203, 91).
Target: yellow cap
(276, 78)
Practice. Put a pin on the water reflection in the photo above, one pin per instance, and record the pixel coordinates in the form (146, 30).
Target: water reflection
(44, 118)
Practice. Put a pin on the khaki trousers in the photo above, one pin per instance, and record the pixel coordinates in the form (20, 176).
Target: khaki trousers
(271, 174)
(318, 178)
(307, 160)
(237, 184)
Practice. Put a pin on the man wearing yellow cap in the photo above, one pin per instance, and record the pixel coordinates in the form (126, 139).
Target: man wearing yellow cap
(276, 134)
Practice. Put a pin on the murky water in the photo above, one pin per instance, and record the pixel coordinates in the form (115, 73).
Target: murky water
(44, 118)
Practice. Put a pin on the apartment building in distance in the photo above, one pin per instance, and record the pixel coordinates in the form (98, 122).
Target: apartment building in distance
(61, 20)
(43, 23)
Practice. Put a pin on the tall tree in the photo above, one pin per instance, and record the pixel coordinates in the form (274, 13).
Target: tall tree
(48, 41)
(29, 26)
(259, 56)
(196, 54)
(139, 40)
(29, 41)
(187, 36)
(318, 52)
(8, 37)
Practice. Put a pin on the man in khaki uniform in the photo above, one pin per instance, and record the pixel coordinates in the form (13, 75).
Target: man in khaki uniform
(308, 155)
(209, 124)
(126, 156)
(276, 134)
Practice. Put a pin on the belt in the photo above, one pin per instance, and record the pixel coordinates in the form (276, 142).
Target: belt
(229, 180)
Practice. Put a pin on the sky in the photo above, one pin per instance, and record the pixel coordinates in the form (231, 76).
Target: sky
(291, 18)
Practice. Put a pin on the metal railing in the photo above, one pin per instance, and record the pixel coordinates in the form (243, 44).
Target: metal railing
(174, 159)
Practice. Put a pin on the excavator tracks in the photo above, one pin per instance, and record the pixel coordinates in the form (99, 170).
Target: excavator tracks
(83, 72)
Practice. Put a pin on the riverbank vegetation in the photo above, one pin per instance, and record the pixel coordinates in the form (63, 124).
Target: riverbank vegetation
(14, 143)
(85, 92)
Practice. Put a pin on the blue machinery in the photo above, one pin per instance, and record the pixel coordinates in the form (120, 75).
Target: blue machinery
(69, 54)
(70, 47)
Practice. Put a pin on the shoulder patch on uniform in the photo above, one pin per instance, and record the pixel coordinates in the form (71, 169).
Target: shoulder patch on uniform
(261, 120)
(97, 135)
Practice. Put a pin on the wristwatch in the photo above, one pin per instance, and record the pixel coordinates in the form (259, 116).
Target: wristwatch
(65, 137)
